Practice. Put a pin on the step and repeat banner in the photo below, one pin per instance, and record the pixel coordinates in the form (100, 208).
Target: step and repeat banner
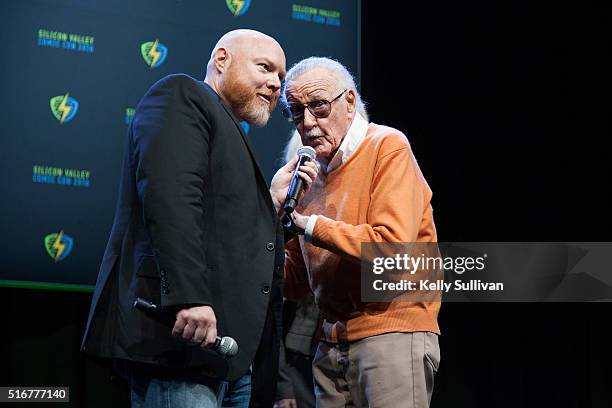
(72, 73)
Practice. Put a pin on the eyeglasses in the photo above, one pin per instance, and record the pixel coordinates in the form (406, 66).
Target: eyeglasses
(319, 109)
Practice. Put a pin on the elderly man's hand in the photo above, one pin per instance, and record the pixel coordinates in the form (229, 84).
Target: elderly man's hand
(282, 179)
(299, 220)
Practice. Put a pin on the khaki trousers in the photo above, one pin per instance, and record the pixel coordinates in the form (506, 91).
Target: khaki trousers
(389, 370)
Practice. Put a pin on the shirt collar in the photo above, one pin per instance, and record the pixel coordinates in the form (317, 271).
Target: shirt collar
(349, 145)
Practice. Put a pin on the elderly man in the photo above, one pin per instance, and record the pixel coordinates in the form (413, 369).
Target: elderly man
(197, 233)
(369, 189)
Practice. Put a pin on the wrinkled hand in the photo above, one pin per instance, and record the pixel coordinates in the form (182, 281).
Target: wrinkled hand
(285, 403)
(282, 179)
(299, 220)
(196, 325)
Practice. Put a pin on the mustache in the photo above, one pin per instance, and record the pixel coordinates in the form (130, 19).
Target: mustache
(273, 97)
(313, 133)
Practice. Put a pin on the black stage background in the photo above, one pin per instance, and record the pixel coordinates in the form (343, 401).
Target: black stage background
(507, 108)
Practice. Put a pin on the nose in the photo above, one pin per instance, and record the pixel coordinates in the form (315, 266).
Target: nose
(274, 83)
(309, 119)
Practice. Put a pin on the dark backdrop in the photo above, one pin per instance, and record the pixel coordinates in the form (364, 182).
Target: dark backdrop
(105, 84)
(507, 108)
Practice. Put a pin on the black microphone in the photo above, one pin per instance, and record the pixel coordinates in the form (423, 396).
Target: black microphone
(224, 346)
(306, 153)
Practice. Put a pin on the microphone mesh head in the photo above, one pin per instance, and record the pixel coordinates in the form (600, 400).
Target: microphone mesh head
(228, 347)
(307, 151)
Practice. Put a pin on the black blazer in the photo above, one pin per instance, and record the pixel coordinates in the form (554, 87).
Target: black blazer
(194, 225)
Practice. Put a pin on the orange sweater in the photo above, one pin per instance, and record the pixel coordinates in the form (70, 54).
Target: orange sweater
(378, 195)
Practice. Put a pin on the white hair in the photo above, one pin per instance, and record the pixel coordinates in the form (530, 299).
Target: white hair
(339, 71)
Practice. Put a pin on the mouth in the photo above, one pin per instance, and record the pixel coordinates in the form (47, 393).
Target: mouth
(265, 98)
(314, 134)
(315, 140)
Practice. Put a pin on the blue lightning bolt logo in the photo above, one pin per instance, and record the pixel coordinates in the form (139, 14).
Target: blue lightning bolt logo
(238, 7)
(64, 107)
(154, 53)
(58, 245)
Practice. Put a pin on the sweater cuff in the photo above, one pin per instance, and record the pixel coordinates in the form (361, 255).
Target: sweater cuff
(320, 230)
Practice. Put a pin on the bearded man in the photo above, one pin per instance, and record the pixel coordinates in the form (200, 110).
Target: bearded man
(197, 233)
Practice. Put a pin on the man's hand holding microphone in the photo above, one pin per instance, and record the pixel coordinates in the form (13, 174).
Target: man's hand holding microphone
(294, 179)
(197, 325)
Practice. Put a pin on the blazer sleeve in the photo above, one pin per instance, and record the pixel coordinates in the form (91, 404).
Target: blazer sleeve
(171, 138)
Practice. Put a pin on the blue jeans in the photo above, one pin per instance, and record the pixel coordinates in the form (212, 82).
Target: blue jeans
(198, 391)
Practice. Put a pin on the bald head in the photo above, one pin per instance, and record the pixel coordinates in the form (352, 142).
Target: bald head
(236, 42)
(246, 68)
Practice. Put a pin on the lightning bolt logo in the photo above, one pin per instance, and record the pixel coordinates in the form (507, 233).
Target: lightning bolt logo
(238, 5)
(58, 245)
(154, 54)
(64, 109)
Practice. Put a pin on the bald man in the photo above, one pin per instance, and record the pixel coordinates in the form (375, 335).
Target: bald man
(197, 233)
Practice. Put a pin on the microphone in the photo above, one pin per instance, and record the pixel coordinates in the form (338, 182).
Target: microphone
(306, 153)
(224, 346)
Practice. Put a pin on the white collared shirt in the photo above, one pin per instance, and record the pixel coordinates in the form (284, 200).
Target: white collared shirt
(349, 145)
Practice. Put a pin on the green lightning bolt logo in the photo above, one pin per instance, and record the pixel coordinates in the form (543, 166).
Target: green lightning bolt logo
(58, 245)
(238, 7)
(154, 53)
(64, 107)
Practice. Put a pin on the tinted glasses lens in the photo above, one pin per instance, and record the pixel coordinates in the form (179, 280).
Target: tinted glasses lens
(320, 109)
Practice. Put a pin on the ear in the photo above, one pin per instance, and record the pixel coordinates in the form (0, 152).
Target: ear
(351, 101)
(222, 59)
